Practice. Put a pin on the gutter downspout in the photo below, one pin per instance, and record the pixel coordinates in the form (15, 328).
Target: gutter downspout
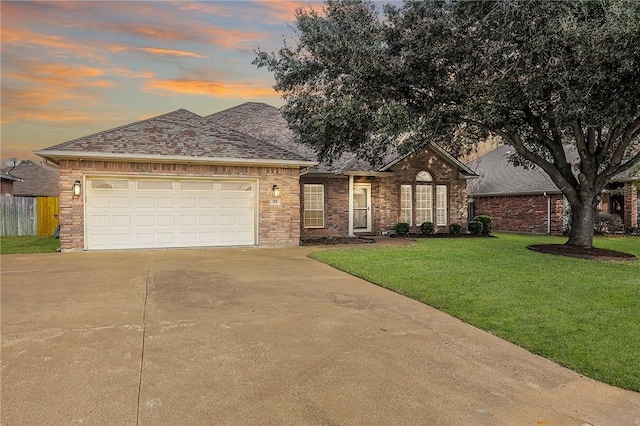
(548, 197)
(351, 234)
(51, 163)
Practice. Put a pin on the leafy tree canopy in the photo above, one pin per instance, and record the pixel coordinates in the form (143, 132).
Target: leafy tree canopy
(543, 75)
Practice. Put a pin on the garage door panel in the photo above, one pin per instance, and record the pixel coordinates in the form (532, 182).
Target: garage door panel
(121, 239)
(144, 213)
(145, 238)
(145, 202)
(189, 203)
(99, 240)
(99, 221)
(100, 202)
(165, 220)
(164, 202)
(188, 220)
(206, 219)
(145, 220)
(120, 221)
(206, 202)
(121, 202)
(166, 238)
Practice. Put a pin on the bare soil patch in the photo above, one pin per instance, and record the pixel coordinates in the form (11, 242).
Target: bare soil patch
(583, 252)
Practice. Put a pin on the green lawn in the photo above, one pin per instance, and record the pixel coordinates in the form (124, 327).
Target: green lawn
(31, 244)
(583, 314)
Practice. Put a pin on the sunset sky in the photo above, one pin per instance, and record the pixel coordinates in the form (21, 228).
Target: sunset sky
(70, 69)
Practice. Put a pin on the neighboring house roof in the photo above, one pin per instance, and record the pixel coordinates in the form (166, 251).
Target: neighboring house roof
(250, 132)
(498, 176)
(34, 180)
(6, 176)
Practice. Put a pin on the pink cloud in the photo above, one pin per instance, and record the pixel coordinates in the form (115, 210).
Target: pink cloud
(209, 88)
(171, 52)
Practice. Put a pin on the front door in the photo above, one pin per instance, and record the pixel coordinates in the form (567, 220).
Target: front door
(362, 207)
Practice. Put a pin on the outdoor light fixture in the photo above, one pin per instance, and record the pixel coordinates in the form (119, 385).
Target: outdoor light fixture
(275, 190)
(77, 188)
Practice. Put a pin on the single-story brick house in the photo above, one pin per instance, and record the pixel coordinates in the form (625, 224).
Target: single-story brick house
(238, 177)
(35, 180)
(527, 200)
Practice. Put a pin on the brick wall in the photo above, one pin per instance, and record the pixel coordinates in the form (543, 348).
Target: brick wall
(278, 225)
(521, 213)
(385, 195)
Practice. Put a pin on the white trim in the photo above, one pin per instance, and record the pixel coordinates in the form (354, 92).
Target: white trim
(136, 158)
(369, 209)
(350, 195)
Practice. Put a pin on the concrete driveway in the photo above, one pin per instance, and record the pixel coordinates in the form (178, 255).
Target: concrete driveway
(260, 336)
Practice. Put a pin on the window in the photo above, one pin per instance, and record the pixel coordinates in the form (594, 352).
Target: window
(427, 203)
(155, 184)
(406, 204)
(314, 206)
(196, 185)
(423, 177)
(236, 186)
(109, 184)
(424, 204)
(441, 205)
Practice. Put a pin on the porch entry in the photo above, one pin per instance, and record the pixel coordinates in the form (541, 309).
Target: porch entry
(361, 207)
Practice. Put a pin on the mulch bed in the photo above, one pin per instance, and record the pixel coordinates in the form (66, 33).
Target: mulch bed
(326, 241)
(443, 235)
(582, 252)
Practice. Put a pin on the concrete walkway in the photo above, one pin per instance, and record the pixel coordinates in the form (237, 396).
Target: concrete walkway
(260, 336)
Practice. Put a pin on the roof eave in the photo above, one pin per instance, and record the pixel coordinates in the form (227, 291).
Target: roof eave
(513, 194)
(57, 155)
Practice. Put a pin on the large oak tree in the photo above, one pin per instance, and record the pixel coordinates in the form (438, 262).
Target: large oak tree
(548, 77)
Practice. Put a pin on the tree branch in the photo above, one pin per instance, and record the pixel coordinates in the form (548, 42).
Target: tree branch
(564, 179)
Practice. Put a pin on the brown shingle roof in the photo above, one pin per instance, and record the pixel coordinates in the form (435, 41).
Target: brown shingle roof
(248, 131)
(179, 133)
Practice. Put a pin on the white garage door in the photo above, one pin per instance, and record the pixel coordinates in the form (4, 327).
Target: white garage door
(123, 213)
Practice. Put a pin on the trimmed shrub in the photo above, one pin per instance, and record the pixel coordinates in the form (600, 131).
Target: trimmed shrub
(427, 228)
(486, 223)
(475, 227)
(402, 228)
(607, 223)
(455, 228)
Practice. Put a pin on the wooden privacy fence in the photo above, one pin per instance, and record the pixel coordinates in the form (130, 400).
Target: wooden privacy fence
(28, 215)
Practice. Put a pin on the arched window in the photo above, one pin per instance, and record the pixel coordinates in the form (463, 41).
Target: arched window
(424, 177)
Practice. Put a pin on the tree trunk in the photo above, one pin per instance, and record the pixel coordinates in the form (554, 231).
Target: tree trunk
(581, 233)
